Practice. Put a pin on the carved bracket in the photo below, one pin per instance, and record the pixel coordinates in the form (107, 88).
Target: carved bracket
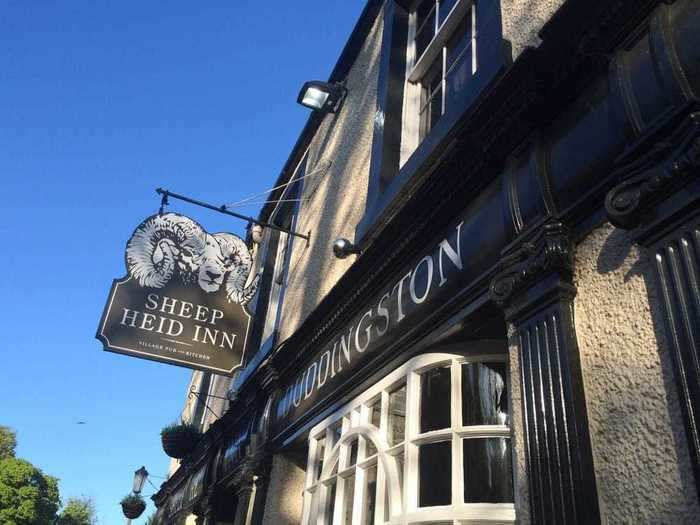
(550, 250)
(269, 377)
(662, 160)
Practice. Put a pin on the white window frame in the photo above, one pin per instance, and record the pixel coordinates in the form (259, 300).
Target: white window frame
(354, 419)
(417, 68)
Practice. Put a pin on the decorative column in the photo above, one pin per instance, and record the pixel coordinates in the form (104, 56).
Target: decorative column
(535, 290)
(205, 512)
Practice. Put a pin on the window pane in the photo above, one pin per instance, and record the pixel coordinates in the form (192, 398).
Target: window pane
(435, 474)
(397, 416)
(320, 451)
(399, 467)
(445, 8)
(484, 394)
(348, 496)
(457, 81)
(460, 41)
(431, 98)
(425, 33)
(435, 398)
(352, 452)
(336, 431)
(375, 415)
(330, 501)
(488, 475)
(370, 495)
(424, 8)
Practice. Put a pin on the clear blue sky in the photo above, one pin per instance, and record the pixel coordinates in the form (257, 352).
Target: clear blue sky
(100, 103)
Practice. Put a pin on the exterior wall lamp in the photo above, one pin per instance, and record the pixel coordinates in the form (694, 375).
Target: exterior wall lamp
(342, 248)
(322, 96)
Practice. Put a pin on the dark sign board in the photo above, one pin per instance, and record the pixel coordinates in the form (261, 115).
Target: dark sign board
(183, 299)
(421, 287)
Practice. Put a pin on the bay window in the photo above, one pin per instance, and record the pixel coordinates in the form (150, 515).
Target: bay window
(430, 443)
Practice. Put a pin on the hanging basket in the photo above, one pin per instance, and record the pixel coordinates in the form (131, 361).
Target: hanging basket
(179, 440)
(133, 506)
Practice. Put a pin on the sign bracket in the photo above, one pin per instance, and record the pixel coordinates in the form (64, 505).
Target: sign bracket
(203, 399)
(223, 209)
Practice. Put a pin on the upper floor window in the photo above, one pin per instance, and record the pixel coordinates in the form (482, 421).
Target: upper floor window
(430, 443)
(438, 58)
(441, 61)
(275, 251)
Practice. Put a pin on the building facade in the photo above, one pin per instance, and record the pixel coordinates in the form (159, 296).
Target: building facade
(518, 338)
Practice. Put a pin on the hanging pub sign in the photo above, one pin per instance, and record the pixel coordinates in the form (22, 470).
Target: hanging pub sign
(183, 300)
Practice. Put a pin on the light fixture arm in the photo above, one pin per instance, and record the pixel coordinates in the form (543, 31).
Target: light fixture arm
(225, 211)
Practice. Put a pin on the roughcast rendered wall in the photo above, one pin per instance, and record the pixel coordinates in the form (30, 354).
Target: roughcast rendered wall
(283, 504)
(333, 200)
(522, 20)
(520, 479)
(640, 451)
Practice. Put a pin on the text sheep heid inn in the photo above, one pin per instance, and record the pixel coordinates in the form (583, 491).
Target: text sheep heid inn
(404, 297)
(151, 320)
(183, 300)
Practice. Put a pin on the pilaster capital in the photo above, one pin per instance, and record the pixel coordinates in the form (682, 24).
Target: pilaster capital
(548, 250)
(658, 163)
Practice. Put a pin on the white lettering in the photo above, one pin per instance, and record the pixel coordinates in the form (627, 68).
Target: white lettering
(361, 348)
(129, 315)
(327, 355)
(151, 301)
(308, 390)
(412, 289)
(382, 311)
(215, 315)
(170, 306)
(452, 255)
(399, 285)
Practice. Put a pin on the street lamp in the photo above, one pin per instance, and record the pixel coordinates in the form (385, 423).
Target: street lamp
(139, 479)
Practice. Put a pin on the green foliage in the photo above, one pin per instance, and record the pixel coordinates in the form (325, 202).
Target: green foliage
(8, 442)
(78, 511)
(179, 427)
(130, 499)
(27, 496)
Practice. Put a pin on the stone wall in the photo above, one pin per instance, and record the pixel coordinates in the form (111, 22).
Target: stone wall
(283, 504)
(640, 452)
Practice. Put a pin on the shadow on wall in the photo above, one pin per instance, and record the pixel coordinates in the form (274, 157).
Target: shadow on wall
(641, 454)
(338, 202)
(616, 250)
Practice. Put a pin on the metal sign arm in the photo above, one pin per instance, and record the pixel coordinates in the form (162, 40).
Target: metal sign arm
(222, 209)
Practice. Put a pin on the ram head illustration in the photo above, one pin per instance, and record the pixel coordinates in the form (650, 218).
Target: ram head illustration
(167, 245)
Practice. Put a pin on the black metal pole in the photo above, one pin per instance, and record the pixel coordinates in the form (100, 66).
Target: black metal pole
(222, 209)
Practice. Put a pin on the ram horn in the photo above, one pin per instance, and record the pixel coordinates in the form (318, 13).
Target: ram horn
(236, 289)
(152, 251)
